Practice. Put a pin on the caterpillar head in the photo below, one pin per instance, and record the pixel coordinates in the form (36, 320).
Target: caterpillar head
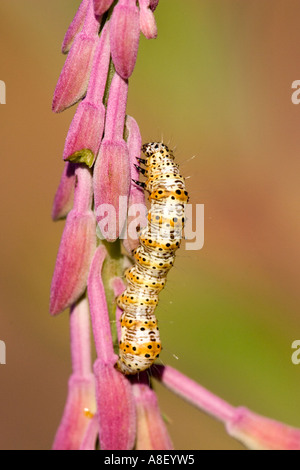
(156, 148)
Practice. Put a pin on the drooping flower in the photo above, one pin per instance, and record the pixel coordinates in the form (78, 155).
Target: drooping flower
(260, 433)
(152, 433)
(86, 130)
(73, 81)
(112, 168)
(75, 27)
(125, 36)
(254, 431)
(76, 248)
(114, 395)
(147, 20)
(81, 401)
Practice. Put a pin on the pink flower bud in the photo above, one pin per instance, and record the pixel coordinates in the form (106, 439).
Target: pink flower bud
(111, 188)
(74, 78)
(76, 249)
(116, 411)
(83, 195)
(80, 338)
(112, 168)
(117, 416)
(98, 308)
(86, 130)
(74, 428)
(116, 109)
(147, 20)
(101, 6)
(85, 133)
(152, 433)
(73, 81)
(64, 196)
(98, 79)
(125, 35)
(75, 26)
(79, 408)
(260, 433)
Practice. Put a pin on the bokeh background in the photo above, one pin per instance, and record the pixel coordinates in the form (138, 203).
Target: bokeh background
(216, 84)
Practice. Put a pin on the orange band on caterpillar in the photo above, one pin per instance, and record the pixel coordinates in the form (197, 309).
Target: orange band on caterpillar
(140, 342)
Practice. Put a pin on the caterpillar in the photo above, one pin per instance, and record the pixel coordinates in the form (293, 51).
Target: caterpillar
(140, 343)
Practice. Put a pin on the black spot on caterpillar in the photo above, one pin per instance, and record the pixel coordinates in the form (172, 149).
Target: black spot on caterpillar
(140, 342)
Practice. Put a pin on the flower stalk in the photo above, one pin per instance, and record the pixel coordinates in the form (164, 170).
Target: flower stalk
(95, 195)
(81, 400)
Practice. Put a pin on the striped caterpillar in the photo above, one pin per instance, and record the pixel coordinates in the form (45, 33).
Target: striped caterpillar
(140, 342)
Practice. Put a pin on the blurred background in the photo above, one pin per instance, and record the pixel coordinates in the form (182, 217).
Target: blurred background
(217, 85)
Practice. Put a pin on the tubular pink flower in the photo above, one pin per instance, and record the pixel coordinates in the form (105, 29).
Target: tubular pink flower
(111, 188)
(125, 36)
(81, 403)
(116, 109)
(80, 338)
(75, 27)
(101, 6)
(152, 433)
(254, 431)
(72, 264)
(147, 20)
(76, 417)
(85, 133)
(73, 81)
(74, 78)
(98, 308)
(259, 433)
(112, 168)
(86, 130)
(194, 393)
(83, 196)
(136, 196)
(116, 411)
(117, 415)
(64, 196)
(76, 249)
